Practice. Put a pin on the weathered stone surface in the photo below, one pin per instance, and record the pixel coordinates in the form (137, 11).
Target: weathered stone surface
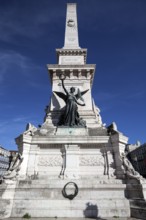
(44, 198)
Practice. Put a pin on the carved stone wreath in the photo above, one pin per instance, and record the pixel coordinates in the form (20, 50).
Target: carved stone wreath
(70, 196)
(91, 160)
(70, 23)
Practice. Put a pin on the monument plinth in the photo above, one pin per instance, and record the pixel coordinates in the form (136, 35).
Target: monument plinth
(72, 164)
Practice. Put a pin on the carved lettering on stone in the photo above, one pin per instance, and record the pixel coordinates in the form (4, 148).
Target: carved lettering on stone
(51, 161)
(72, 60)
(91, 161)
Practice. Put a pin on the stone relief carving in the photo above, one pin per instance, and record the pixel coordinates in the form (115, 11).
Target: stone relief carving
(91, 160)
(51, 161)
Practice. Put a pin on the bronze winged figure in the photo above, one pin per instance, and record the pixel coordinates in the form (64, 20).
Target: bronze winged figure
(71, 116)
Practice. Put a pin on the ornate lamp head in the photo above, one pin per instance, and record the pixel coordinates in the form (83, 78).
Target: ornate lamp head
(62, 76)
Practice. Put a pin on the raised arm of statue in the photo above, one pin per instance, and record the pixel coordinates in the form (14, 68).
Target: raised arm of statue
(62, 81)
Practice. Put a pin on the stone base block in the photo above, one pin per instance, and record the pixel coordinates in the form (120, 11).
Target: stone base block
(7, 191)
(79, 131)
(44, 198)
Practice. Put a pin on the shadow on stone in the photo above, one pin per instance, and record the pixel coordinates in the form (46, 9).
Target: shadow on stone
(91, 211)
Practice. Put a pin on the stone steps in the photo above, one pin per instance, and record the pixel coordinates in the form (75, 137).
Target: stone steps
(138, 208)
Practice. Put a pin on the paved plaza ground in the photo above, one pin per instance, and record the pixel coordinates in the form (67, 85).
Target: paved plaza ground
(116, 218)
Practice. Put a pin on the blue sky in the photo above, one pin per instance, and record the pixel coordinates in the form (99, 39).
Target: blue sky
(114, 32)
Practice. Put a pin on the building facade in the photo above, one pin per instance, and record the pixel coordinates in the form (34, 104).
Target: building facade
(4, 160)
(137, 156)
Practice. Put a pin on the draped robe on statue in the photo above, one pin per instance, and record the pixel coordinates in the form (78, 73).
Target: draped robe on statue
(71, 116)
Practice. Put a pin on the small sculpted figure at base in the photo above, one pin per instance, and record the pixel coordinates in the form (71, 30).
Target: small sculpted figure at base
(129, 169)
(14, 168)
(71, 116)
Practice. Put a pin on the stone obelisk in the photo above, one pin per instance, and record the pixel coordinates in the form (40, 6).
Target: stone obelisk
(71, 29)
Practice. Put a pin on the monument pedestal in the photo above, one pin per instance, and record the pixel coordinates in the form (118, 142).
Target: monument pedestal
(95, 198)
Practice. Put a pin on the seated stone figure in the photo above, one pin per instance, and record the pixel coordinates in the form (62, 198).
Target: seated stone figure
(14, 167)
(129, 169)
